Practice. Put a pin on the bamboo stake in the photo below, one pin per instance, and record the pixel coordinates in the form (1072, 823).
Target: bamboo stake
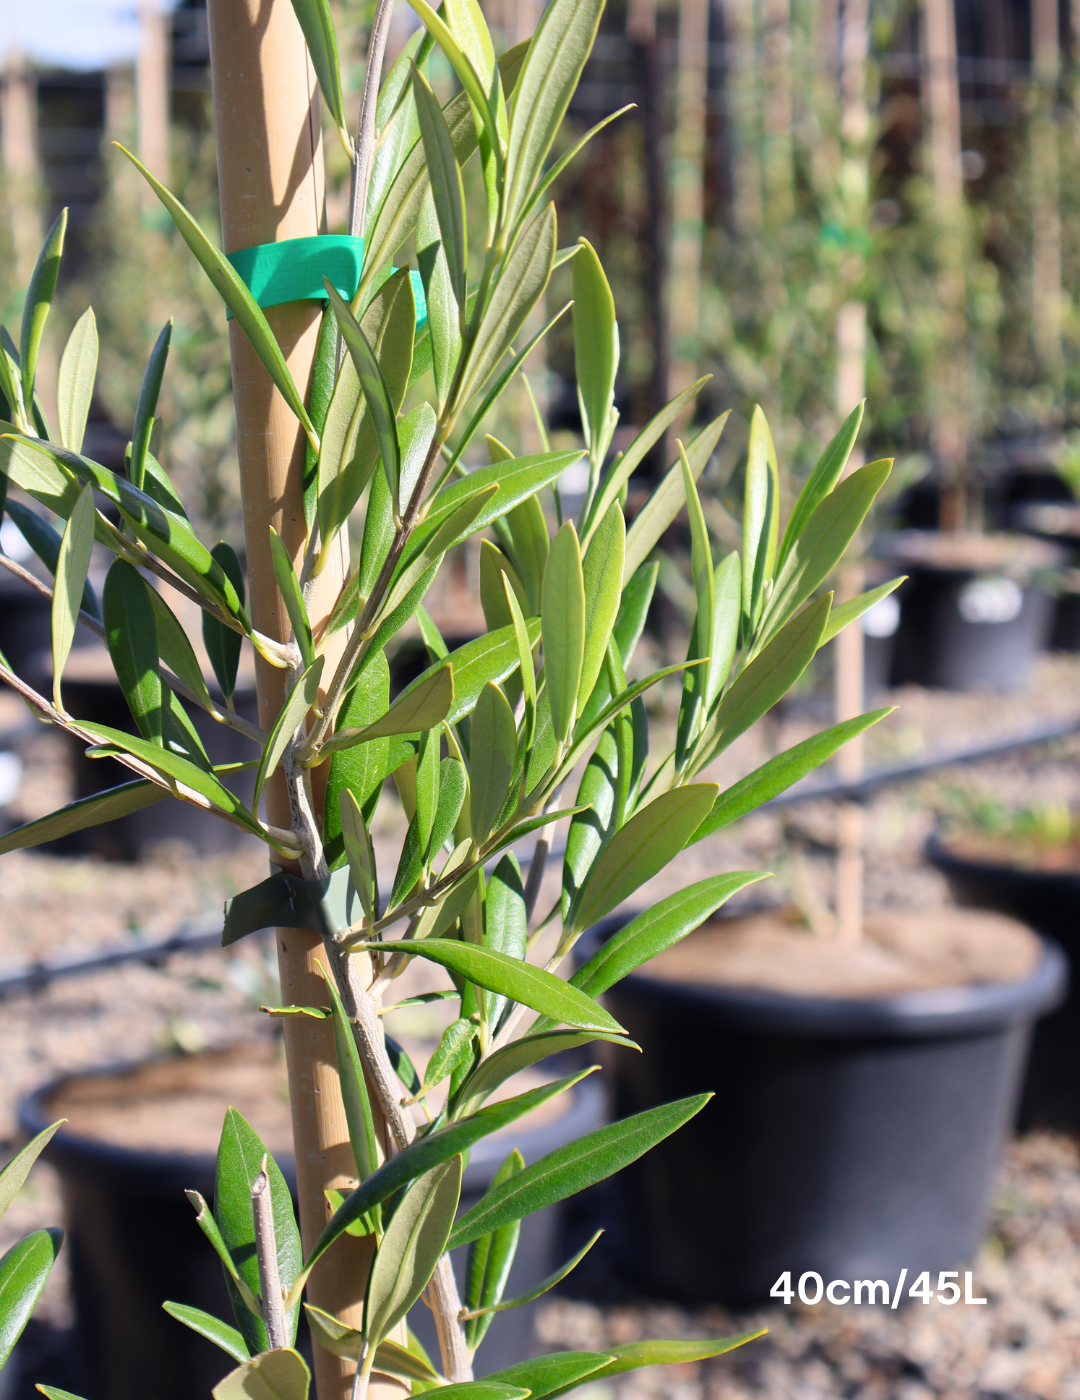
(1045, 193)
(270, 174)
(941, 98)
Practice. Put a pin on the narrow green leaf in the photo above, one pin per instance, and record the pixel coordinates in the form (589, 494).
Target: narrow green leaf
(362, 769)
(39, 297)
(488, 1265)
(667, 500)
(462, 66)
(416, 431)
(493, 748)
(420, 708)
(846, 613)
(822, 480)
(564, 160)
(553, 65)
(321, 38)
(823, 540)
(519, 1055)
(302, 698)
(339, 1340)
(146, 407)
(231, 288)
(24, 1270)
(410, 1249)
(375, 389)
(652, 837)
(594, 826)
(222, 643)
(727, 609)
(596, 348)
(17, 1170)
(602, 572)
(572, 1168)
(761, 516)
(626, 463)
(782, 772)
(562, 613)
(275, 1375)
(220, 1333)
(75, 384)
(506, 920)
(428, 1151)
(558, 1371)
(520, 285)
(517, 480)
(359, 853)
(657, 928)
(529, 532)
(45, 542)
(354, 1091)
(353, 446)
(519, 981)
(702, 568)
(240, 1157)
(766, 680)
(452, 1050)
(678, 1352)
(176, 651)
(489, 658)
(548, 1283)
(72, 565)
(446, 187)
(289, 588)
(86, 812)
(131, 636)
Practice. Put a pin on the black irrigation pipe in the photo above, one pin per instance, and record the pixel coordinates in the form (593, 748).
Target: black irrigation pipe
(861, 789)
(36, 976)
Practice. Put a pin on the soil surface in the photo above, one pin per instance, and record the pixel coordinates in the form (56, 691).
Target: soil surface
(899, 953)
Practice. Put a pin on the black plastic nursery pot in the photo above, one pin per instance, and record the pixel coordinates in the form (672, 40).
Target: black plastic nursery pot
(1050, 902)
(849, 1137)
(99, 699)
(132, 1242)
(970, 622)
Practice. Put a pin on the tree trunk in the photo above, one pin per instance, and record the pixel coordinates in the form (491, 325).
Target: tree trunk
(270, 172)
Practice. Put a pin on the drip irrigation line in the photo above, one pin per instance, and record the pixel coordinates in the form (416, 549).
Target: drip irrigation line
(861, 789)
(36, 976)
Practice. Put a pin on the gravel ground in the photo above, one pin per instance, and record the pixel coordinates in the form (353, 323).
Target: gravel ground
(1026, 1342)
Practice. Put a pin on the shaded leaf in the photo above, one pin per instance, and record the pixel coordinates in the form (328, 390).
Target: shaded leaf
(131, 636)
(303, 696)
(75, 383)
(72, 565)
(86, 811)
(222, 643)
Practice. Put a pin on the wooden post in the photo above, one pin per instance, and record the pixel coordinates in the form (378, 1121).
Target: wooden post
(849, 674)
(152, 93)
(941, 101)
(18, 132)
(1045, 194)
(270, 174)
(777, 149)
(688, 194)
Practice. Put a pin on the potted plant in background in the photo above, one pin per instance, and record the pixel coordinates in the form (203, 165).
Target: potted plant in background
(481, 745)
(1024, 862)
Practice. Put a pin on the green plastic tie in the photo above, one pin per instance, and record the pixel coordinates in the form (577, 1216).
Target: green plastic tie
(293, 270)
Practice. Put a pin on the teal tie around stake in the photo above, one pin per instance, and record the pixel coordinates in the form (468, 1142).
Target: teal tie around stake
(293, 270)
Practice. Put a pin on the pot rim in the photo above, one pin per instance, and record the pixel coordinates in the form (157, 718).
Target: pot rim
(942, 858)
(587, 1110)
(938, 1013)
